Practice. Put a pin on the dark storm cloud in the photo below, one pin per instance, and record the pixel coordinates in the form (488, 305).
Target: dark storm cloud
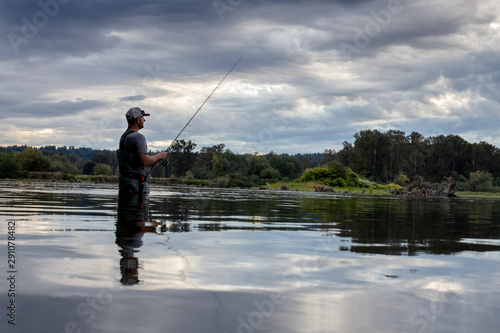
(52, 109)
(295, 87)
(133, 98)
(80, 28)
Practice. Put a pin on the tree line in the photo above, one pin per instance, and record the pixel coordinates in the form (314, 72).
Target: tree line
(390, 156)
(226, 167)
(209, 163)
(381, 157)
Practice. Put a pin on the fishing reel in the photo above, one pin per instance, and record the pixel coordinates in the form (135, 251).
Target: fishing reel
(164, 162)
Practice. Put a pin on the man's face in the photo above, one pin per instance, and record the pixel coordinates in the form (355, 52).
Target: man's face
(140, 122)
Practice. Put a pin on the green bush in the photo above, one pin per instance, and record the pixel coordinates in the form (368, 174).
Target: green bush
(33, 160)
(255, 180)
(402, 179)
(88, 167)
(101, 169)
(9, 166)
(222, 181)
(238, 183)
(256, 164)
(393, 186)
(288, 166)
(334, 174)
(220, 165)
(60, 163)
(189, 175)
(69, 177)
(480, 181)
(353, 182)
(338, 169)
(269, 173)
(324, 176)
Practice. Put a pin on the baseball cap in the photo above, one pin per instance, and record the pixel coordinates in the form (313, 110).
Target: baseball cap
(135, 112)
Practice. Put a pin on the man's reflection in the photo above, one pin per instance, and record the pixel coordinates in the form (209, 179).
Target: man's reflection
(133, 222)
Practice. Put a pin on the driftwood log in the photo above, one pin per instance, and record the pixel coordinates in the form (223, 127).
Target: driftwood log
(417, 188)
(446, 187)
(323, 189)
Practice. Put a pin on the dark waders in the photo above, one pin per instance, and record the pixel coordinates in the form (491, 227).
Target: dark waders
(132, 182)
(133, 213)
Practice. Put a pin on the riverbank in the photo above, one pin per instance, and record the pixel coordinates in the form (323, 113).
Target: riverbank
(380, 190)
(317, 187)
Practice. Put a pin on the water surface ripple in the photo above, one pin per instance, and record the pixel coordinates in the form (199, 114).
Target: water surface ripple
(229, 260)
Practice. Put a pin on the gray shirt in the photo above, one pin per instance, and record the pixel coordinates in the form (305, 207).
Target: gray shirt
(132, 144)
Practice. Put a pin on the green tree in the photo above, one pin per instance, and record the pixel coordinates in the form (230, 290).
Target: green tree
(256, 164)
(9, 166)
(237, 167)
(371, 151)
(305, 163)
(269, 173)
(220, 165)
(103, 169)
(346, 154)
(88, 168)
(203, 164)
(182, 157)
(76, 160)
(416, 154)
(60, 163)
(480, 181)
(447, 156)
(33, 160)
(481, 156)
(106, 157)
(288, 166)
(397, 141)
(328, 156)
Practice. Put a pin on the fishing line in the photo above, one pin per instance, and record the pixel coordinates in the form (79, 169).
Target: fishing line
(194, 115)
(206, 100)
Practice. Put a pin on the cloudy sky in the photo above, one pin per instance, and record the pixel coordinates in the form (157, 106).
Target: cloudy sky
(313, 73)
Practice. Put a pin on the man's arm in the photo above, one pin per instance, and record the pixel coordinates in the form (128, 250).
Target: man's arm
(150, 160)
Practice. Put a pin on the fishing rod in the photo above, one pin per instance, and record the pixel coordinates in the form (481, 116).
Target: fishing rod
(194, 115)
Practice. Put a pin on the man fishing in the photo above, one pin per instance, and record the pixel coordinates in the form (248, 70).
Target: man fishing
(135, 164)
(133, 159)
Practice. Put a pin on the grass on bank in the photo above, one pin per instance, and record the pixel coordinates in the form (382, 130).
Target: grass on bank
(383, 190)
(378, 190)
(312, 186)
(469, 194)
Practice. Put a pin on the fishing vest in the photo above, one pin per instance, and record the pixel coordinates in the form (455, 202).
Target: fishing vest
(129, 162)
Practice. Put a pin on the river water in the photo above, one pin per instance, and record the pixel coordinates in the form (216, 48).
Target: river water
(227, 260)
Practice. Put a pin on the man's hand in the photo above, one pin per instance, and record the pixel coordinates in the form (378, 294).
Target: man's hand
(162, 155)
(150, 160)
